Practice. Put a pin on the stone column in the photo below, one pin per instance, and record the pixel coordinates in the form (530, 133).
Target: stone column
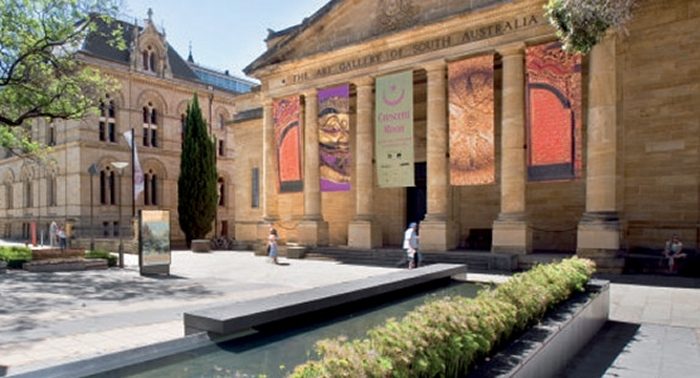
(599, 229)
(269, 172)
(437, 231)
(363, 231)
(312, 230)
(510, 230)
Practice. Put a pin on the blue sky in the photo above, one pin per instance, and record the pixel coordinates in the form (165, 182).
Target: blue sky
(225, 34)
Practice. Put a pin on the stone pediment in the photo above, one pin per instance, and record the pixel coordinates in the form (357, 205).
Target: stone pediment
(343, 23)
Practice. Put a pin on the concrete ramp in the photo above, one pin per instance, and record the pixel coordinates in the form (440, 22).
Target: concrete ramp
(242, 316)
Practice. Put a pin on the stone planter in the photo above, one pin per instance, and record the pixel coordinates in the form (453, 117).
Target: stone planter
(201, 245)
(546, 348)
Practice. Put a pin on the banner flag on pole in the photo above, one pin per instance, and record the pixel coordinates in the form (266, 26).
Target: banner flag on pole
(394, 130)
(138, 172)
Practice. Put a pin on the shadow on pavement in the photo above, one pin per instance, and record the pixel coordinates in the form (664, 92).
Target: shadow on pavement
(25, 296)
(596, 357)
(652, 280)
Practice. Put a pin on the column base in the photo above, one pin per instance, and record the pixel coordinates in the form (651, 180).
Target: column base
(313, 233)
(598, 239)
(438, 235)
(511, 236)
(364, 234)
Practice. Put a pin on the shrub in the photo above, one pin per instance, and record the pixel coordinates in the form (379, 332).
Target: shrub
(444, 337)
(102, 254)
(15, 256)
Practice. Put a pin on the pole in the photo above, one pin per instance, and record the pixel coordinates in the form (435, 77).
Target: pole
(121, 245)
(133, 172)
(92, 224)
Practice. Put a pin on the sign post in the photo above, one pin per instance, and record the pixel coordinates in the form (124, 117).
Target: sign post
(154, 242)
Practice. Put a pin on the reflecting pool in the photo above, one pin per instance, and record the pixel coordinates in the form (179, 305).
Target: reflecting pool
(277, 348)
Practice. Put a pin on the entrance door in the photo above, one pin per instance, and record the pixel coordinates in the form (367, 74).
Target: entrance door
(416, 197)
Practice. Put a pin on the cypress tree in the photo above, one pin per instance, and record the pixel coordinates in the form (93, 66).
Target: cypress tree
(196, 186)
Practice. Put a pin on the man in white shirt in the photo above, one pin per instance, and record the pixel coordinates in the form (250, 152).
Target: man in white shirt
(410, 244)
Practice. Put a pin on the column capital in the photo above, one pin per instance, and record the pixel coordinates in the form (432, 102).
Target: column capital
(364, 81)
(308, 92)
(267, 101)
(435, 66)
(511, 50)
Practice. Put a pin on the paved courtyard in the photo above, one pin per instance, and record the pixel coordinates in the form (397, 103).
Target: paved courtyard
(50, 318)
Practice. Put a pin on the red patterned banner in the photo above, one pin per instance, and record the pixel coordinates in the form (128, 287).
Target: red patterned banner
(554, 113)
(472, 153)
(285, 113)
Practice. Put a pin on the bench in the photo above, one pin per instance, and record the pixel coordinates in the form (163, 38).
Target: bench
(242, 316)
(647, 260)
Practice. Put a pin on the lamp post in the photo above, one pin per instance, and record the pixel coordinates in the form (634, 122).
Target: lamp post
(92, 170)
(120, 165)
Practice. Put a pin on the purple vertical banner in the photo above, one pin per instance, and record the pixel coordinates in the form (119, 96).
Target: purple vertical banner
(334, 138)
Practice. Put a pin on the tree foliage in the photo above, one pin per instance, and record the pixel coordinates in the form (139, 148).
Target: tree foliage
(40, 76)
(581, 24)
(196, 186)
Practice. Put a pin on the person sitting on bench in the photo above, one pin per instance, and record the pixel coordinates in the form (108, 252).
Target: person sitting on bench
(672, 251)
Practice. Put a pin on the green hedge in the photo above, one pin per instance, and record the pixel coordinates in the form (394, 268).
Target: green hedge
(15, 256)
(444, 337)
(102, 254)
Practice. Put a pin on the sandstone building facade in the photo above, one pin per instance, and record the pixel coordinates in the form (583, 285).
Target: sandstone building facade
(637, 181)
(155, 86)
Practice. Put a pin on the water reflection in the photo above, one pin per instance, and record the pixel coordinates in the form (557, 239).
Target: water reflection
(277, 348)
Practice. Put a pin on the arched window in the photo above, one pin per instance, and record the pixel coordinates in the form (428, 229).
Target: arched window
(51, 134)
(108, 123)
(108, 194)
(150, 197)
(222, 191)
(222, 121)
(28, 197)
(51, 190)
(9, 193)
(152, 62)
(150, 126)
(149, 59)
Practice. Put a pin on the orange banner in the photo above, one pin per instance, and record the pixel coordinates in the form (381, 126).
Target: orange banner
(288, 142)
(472, 151)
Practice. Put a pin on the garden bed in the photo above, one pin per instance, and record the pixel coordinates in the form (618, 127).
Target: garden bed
(64, 265)
(546, 348)
(448, 337)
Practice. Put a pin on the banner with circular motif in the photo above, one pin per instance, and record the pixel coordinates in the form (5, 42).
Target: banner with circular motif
(394, 130)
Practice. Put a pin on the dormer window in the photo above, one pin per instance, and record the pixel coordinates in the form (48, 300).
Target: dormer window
(149, 59)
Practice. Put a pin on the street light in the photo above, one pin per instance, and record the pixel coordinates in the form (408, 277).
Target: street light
(92, 170)
(120, 165)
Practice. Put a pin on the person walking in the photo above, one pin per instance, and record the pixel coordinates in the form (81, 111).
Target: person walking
(53, 234)
(61, 237)
(410, 245)
(272, 245)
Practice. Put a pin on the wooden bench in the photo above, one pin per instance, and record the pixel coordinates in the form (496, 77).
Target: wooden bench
(237, 317)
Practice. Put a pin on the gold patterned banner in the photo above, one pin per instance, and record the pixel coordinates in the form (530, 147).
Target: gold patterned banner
(554, 113)
(334, 138)
(471, 104)
(285, 113)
